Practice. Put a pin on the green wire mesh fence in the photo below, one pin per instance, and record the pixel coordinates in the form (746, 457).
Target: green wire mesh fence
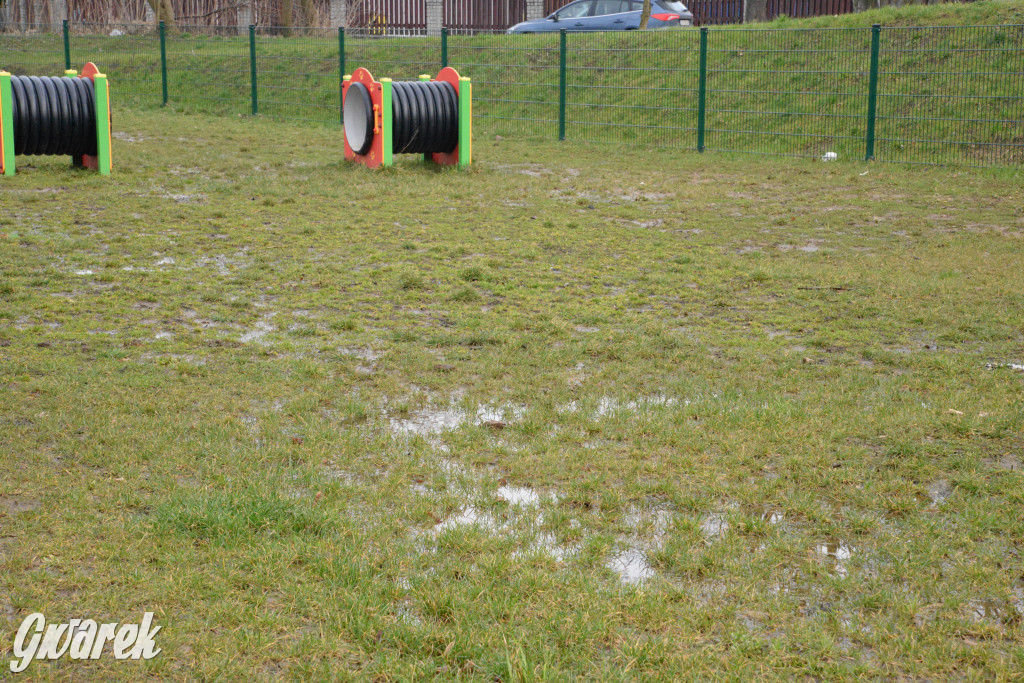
(951, 95)
(940, 95)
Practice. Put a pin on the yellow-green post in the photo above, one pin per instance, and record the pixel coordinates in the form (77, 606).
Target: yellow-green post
(427, 156)
(387, 124)
(6, 124)
(102, 123)
(465, 122)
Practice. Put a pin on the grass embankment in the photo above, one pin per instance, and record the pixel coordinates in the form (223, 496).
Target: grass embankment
(946, 94)
(247, 387)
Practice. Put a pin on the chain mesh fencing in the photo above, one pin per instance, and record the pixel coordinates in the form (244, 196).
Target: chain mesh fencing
(939, 95)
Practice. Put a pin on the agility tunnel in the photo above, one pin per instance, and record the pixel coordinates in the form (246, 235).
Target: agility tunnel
(69, 115)
(432, 117)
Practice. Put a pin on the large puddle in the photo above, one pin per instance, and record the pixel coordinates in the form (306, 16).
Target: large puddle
(525, 520)
(434, 421)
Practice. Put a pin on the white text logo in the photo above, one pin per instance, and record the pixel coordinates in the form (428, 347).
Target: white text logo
(82, 639)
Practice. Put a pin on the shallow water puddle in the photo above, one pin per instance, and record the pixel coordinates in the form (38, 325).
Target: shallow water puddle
(432, 421)
(519, 495)
(366, 354)
(260, 330)
(607, 405)
(632, 566)
(1002, 612)
(772, 516)
(714, 526)
(467, 516)
(939, 492)
(427, 421)
(1017, 367)
(648, 529)
(524, 520)
(838, 551)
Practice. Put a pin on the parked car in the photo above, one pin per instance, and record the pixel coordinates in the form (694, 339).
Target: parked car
(609, 15)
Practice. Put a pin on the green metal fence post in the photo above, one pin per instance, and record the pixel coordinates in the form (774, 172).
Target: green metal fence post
(252, 68)
(444, 47)
(561, 85)
(341, 73)
(876, 33)
(702, 92)
(163, 61)
(67, 46)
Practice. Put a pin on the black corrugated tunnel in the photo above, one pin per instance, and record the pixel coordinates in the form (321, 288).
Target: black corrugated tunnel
(53, 115)
(425, 116)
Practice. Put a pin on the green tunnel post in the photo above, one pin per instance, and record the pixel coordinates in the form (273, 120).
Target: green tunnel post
(465, 122)
(341, 73)
(102, 123)
(386, 124)
(427, 156)
(869, 146)
(252, 69)
(702, 88)
(163, 61)
(6, 123)
(444, 48)
(67, 45)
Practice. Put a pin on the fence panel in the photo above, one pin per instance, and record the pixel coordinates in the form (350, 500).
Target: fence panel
(31, 49)
(951, 94)
(392, 56)
(633, 87)
(485, 15)
(128, 52)
(298, 76)
(789, 92)
(716, 12)
(807, 8)
(390, 17)
(515, 80)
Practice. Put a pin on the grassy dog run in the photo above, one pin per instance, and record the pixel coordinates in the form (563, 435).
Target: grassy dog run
(568, 414)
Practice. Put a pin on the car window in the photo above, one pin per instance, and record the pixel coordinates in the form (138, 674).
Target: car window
(672, 6)
(575, 10)
(610, 7)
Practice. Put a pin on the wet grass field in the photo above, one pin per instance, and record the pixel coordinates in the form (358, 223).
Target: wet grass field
(572, 413)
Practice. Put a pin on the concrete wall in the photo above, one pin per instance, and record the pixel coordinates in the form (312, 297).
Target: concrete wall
(245, 18)
(338, 15)
(435, 17)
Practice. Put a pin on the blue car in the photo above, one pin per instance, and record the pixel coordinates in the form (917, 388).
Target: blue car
(609, 15)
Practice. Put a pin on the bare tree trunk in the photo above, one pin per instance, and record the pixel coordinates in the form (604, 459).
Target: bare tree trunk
(309, 16)
(168, 12)
(286, 17)
(164, 11)
(645, 15)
